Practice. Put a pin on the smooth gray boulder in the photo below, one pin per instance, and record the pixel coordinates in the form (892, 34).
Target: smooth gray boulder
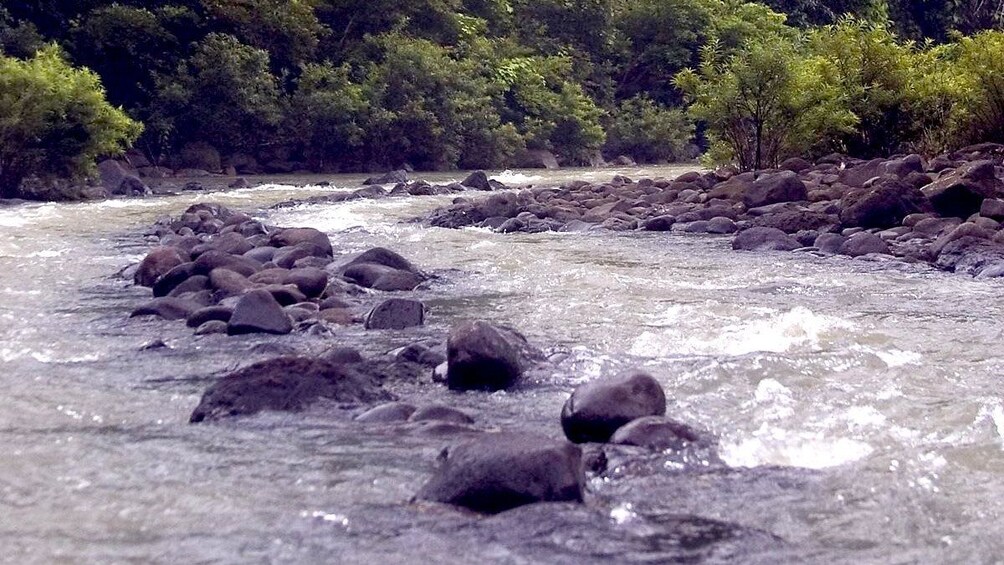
(596, 409)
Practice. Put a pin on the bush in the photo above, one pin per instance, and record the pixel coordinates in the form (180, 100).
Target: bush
(54, 120)
(649, 132)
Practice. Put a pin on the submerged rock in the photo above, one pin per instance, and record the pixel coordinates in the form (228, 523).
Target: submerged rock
(764, 239)
(496, 472)
(287, 384)
(598, 408)
(395, 314)
(659, 433)
(259, 312)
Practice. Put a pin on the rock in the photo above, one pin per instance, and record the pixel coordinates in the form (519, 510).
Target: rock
(395, 314)
(962, 192)
(131, 186)
(777, 187)
(721, 225)
(342, 355)
(764, 239)
(623, 161)
(259, 312)
(992, 208)
(173, 278)
(478, 180)
(229, 283)
(864, 243)
(240, 182)
(884, 205)
(829, 243)
(794, 221)
(380, 277)
(598, 408)
(379, 256)
(795, 165)
(535, 159)
(658, 433)
(209, 313)
(211, 260)
(211, 327)
(167, 307)
(482, 356)
(392, 177)
(112, 173)
(157, 263)
(440, 413)
(194, 283)
(286, 384)
(902, 167)
(859, 175)
(659, 223)
(387, 413)
(295, 236)
(496, 472)
(311, 281)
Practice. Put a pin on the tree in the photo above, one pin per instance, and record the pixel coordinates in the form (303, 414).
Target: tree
(54, 120)
(764, 103)
(649, 132)
(327, 116)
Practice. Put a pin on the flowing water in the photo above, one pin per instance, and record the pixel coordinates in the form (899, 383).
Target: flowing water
(858, 404)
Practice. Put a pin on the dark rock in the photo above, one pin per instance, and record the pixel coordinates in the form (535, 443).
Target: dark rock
(496, 472)
(287, 384)
(721, 225)
(209, 313)
(395, 314)
(240, 182)
(902, 167)
(310, 281)
(884, 205)
(776, 187)
(962, 192)
(482, 356)
(863, 243)
(764, 239)
(598, 408)
(261, 254)
(859, 175)
(370, 192)
(535, 159)
(167, 307)
(191, 284)
(659, 433)
(259, 312)
(992, 208)
(379, 256)
(170, 280)
(285, 295)
(829, 243)
(477, 180)
(294, 236)
(970, 255)
(211, 327)
(441, 413)
(659, 223)
(211, 260)
(387, 413)
(392, 177)
(795, 165)
(807, 237)
(158, 262)
(794, 221)
(228, 283)
(342, 355)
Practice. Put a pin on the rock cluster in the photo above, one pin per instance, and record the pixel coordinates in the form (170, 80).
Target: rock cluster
(374, 188)
(224, 272)
(945, 211)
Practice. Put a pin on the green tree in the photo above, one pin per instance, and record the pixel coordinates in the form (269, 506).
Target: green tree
(327, 116)
(54, 120)
(649, 132)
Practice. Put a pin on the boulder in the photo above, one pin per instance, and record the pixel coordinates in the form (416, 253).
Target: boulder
(722, 225)
(380, 277)
(395, 314)
(393, 177)
(784, 186)
(858, 175)
(112, 173)
(294, 236)
(310, 281)
(496, 472)
(379, 256)
(992, 208)
(387, 413)
(286, 384)
(478, 180)
(157, 263)
(228, 283)
(259, 312)
(167, 307)
(658, 433)
(209, 313)
(659, 223)
(440, 413)
(535, 159)
(194, 283)
(764, 239)
(794, 221)
(884, 205)
(171, 279)
(962, 192)
(863, 243)
(829, 243)
(482, 356)
(596, 410)
(902, 167)
(795, 165)
(200, 155)
(211, 260)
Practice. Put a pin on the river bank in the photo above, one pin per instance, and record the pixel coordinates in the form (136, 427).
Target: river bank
(791, 360)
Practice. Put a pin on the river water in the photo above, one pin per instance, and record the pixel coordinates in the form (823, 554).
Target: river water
(858, 404)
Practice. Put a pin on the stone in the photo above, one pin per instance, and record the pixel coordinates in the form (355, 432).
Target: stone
(285, 384)
(596, 410)
(784, 186)
(721, 225)
(658, 433)
(200, 155)
(863, 243)
(259, 312)
(310, 281)
(659, 223)
(170, 280)
(395, 314)
(992, 208)
(764, 239)
(342, 354)
(211, 327)
(393, 177)
(962, 192)
(388, 413)
(883, 205)
(209, 313)
(496, 472)
(167, 307)
(290, 237)
(229, 283)
(440, 413)
(378, 256)
(478, 180)
(191, 284)
(211, 260)
(535, 159)
(483, 356)
(158, 262)
(829, 243)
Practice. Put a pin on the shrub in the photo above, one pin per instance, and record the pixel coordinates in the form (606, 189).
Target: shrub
(649, 132)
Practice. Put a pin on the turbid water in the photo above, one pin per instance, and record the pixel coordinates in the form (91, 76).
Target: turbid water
(859, 404)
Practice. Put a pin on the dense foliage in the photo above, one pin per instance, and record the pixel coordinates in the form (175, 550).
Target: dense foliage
(280, 85)
(54, 120)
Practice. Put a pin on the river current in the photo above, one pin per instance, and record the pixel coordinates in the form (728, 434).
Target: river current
(858, 404)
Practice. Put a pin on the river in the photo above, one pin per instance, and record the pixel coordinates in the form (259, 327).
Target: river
(858, 404)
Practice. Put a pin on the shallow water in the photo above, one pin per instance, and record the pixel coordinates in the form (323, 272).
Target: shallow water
(858, 403)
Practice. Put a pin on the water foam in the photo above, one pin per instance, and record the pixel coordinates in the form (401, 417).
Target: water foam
(512, 177)
(777, 446)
